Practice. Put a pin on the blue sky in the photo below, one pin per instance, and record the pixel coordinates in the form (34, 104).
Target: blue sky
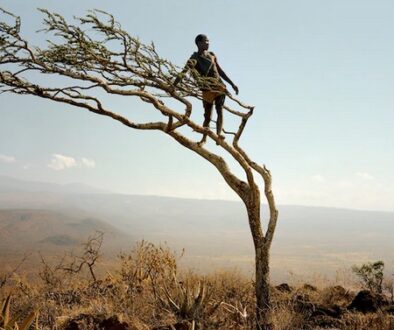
(320, 74)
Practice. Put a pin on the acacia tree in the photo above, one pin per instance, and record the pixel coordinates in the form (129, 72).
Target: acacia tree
(96, 55)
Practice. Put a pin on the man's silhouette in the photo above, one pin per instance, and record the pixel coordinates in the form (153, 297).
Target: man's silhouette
(212, 87)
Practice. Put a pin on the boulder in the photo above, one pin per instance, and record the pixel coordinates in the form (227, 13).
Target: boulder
(365, 302)
(284, 287)
(183, 325)
(87, 321)
(113, 323)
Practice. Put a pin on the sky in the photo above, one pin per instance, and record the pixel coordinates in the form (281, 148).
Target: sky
(320, 74)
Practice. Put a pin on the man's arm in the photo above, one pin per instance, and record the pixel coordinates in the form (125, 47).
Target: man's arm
(189, 65)
(225, 77)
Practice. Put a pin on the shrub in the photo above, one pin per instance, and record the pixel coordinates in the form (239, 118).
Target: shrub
(371, 275)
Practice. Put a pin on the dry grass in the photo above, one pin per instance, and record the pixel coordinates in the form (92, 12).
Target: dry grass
(147, 291)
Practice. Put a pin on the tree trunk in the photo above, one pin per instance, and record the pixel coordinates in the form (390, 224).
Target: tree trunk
(262, 288)
(262, 249)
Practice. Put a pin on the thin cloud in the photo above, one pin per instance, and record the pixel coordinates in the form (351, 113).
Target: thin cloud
(7, 158)
(88, 163)
(61, 162)
(364, 175)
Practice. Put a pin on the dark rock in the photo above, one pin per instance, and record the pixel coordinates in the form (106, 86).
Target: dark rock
(365, 302)
(284, 287)
(177, 326)
(182, 326)
(71, 325)
(86, 321)
(113, 323)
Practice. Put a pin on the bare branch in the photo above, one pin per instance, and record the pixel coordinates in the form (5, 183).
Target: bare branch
(89, 257)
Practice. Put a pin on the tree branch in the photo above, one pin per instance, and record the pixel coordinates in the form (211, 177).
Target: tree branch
(104, 56)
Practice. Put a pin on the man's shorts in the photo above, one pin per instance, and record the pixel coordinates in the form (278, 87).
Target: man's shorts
(217, 96)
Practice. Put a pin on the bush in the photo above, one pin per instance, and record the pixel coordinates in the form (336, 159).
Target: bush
(371, 275)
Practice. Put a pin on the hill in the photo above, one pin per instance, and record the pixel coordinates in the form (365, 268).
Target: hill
(51, 234)
(216, 233)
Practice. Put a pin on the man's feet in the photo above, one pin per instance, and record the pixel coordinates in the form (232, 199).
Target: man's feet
(204, 139)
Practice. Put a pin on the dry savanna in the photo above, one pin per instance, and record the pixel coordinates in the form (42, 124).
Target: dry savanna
(144, 288)
(77, 260)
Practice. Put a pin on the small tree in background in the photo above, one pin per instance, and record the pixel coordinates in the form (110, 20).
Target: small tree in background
(371, 275)
(96, 55)
(88, 257)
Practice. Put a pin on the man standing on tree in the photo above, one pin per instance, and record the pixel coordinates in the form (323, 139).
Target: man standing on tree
(212, 87)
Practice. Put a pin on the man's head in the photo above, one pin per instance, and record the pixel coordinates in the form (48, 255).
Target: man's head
(202, 42)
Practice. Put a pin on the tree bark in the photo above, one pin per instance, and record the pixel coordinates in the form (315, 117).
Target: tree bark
(262, 289)
(262, 286)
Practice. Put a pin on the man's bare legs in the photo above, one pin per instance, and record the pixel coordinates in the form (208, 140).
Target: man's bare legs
(219, 102)
(207, 119)
(219, 122)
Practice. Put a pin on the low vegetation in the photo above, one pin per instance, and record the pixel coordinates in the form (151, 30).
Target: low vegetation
(371, 275)
(148, 291)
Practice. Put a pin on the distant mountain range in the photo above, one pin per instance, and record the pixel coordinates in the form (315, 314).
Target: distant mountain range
(8, 184)
(214, 233)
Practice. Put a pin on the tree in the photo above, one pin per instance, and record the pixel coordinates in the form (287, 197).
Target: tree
(97, 55)
(371, 275)
(71, 263)
(88, 258)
